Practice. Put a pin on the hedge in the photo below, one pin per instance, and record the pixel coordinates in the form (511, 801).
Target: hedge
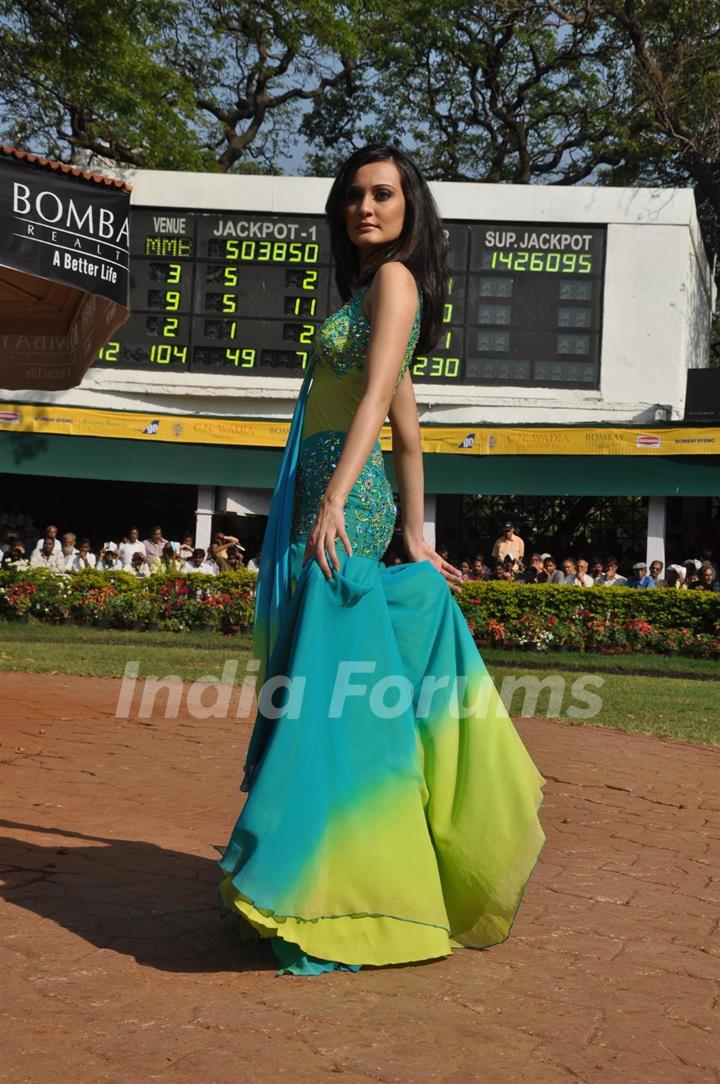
(533, 616)
(122, 600)
(548, 616)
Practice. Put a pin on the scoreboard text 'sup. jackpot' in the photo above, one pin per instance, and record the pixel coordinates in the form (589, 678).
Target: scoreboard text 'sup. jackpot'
(245, 293)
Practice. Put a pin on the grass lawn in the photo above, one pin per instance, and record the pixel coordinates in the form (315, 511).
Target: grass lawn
(670, 697)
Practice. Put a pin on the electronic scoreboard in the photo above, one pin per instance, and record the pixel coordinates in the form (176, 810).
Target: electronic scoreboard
(245, 294)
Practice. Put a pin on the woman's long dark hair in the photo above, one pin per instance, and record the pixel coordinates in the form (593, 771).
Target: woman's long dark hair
(421, 246)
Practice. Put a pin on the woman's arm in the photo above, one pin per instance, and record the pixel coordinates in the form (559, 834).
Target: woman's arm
(392, 303)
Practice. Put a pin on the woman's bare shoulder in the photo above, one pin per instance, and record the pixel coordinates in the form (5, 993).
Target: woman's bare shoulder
(395, 283)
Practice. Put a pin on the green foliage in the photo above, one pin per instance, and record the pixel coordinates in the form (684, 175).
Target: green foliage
(178, 85)
(124, 601)
(542, 616)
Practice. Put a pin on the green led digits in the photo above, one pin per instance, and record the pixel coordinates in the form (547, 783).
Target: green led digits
(243, 359)
(164, 353)
(109, 352)
(272, 251)
(565, 262)
(447, 368)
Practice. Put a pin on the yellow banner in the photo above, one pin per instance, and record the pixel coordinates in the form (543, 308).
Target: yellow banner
(446, 440)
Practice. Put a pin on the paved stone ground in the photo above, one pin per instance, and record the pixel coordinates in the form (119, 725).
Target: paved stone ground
(116, 966)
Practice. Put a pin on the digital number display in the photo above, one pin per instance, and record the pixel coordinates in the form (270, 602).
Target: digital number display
(246, 293)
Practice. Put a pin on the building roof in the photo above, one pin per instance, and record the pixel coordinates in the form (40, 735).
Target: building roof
(62, 167)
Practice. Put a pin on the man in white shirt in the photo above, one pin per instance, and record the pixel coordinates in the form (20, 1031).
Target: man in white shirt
(610, 577)
(127, 549)
(583, 575)
(109, 561)
(51, 531)
(84, 558)
(46, 557)
(198, 563)
(139, 566)
(69, 549)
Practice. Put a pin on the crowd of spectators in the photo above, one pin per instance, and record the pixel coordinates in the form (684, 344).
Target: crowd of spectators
(507, 561)
(23, 547)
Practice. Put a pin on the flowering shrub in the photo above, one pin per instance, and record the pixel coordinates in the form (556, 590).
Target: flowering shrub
(172, 602)
(16, 599)
(542, 616)
(94, 604)
(495, 631)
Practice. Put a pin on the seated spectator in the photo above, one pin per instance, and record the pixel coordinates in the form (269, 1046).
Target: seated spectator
(707, 580)
(129, 547)
(69, 548)
(15, 558)
(513, 569)
(536, 563)
(529, 575)
(13, 517)
(692, 571)
(48, 557)
(640, 576)
(108, 560)
(221, 544)
(186, 548)
(168, 562)
(464, 566)
(28, 532)
(479, 570)
(611, 578)
(550, 573)
(582, 573)
(155, 545)
(596, 569)
(139, 566)
(674, 578)
(51, 531)
(570, 573)
(198, 563)
(656, 571)
(232, 561)
(76, 562)
(254, 563)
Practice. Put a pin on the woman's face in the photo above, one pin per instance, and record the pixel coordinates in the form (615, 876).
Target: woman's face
(375, 207)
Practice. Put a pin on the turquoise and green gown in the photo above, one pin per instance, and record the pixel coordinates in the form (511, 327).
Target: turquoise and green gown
(392, 809)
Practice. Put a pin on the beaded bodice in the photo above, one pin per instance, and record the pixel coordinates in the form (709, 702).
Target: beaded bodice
(340, 347)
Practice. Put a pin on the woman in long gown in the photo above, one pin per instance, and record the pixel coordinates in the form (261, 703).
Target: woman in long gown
(392, 809)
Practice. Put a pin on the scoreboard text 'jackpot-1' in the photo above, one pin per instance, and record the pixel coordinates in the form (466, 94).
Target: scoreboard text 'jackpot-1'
(245, 293)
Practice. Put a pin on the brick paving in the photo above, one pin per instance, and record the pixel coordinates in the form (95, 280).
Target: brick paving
(117, 967)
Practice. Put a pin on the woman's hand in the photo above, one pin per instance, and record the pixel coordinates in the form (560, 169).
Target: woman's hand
(420, 550)
(329, 524)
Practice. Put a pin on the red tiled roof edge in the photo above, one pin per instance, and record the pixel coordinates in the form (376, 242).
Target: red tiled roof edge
(47, 163)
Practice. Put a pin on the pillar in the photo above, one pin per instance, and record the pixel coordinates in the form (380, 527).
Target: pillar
(203, 516)
(656, 530)
(429, 518)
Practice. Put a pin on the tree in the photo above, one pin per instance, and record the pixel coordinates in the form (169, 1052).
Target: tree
(499, 91)
(177, 85)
